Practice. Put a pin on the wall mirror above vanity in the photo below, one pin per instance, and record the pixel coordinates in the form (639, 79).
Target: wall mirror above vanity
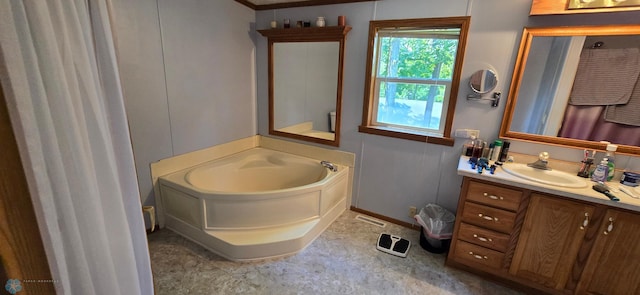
(576, 86)
(305, 82)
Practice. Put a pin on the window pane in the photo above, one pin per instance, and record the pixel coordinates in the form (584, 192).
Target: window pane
(417, 57)
(411, 104)
(413, 81)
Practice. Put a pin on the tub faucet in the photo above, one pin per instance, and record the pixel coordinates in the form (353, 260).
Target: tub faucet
(329, 165)
(543, 160)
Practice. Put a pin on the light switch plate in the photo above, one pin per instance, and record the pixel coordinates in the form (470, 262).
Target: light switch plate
(467, 133)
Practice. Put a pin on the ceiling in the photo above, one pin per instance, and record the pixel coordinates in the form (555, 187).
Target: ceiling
(274, 4)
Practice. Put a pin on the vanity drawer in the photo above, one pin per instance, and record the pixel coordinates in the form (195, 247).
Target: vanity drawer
(474, 254)
(488, 217)
(483, 237)
(495, 196)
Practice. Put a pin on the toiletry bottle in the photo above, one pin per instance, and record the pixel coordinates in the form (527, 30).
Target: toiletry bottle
(497, 148)
(611, 151)
(492, 146)
(600, 174)
(485, 150)
(504, 153)
(477, 149)
(467, 147)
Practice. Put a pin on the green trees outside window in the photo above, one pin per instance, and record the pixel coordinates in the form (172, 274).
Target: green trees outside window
(413, 73)
(414, 70)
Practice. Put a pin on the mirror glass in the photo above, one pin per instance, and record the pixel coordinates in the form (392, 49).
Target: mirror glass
(305, 79)
(483, 81)
(577, 86)
(305, 82)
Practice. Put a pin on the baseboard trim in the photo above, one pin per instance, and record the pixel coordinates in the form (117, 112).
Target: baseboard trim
(386, 218)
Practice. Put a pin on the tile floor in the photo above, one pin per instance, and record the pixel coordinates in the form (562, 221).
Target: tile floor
(343, 260)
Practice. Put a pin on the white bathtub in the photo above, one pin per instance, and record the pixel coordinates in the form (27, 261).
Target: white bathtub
(255, 204)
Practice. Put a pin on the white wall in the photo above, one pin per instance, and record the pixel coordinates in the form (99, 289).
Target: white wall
(393, 174)
(139, 49)
(188, 75)
(209, 67)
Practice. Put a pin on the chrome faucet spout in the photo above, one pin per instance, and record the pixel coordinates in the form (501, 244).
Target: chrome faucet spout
(329, 166)
(541, 163)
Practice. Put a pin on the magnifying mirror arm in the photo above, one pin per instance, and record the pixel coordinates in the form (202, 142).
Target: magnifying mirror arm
(495, 99)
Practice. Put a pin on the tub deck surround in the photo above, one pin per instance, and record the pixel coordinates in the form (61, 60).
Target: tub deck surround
(179, 162)
(248, 205)
(584, 194)
(258, 170)
(184, 161)
(263, 195)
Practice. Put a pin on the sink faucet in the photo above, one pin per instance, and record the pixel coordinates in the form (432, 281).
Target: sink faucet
(541, 163)
(329, 165)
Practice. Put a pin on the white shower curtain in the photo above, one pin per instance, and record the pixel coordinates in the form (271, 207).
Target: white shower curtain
(63, 92)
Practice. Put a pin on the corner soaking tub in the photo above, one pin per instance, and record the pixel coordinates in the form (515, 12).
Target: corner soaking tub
(255, 204)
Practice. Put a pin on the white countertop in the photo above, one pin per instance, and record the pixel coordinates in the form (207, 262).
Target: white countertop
(585, 194)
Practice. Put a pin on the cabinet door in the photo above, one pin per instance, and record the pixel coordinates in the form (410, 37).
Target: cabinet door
(612, 267)
(551, 236)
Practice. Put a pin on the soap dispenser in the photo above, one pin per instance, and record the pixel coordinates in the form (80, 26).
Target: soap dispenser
(601, 172)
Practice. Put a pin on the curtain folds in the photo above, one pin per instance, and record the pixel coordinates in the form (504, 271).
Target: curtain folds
(588, 123)
(68, 102)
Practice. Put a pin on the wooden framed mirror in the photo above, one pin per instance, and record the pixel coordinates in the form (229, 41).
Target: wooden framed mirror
(575, 87)
(305, 82)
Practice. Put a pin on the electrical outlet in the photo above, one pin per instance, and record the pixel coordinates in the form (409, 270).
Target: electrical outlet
(413, 211)
(467, 133)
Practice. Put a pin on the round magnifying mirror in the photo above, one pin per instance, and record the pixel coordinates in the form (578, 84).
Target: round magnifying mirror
(483, 81)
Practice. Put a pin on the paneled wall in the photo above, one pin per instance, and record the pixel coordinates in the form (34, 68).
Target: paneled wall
(188, 75)
(194, 74)
(393, 174)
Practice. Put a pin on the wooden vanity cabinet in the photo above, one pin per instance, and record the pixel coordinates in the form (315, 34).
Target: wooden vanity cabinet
(543, 243)
(483, 234)
(613, 266)
(550, 239)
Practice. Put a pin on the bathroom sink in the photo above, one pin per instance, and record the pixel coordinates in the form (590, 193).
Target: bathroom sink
(549, 177)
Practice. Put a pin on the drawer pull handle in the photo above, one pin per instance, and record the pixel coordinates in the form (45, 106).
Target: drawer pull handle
(609, 227)
(476, 256)
(487, 217)
(483, 239)
(493, 197)
(585, 222)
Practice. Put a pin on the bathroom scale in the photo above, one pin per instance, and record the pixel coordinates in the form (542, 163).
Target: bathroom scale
(393, 245)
